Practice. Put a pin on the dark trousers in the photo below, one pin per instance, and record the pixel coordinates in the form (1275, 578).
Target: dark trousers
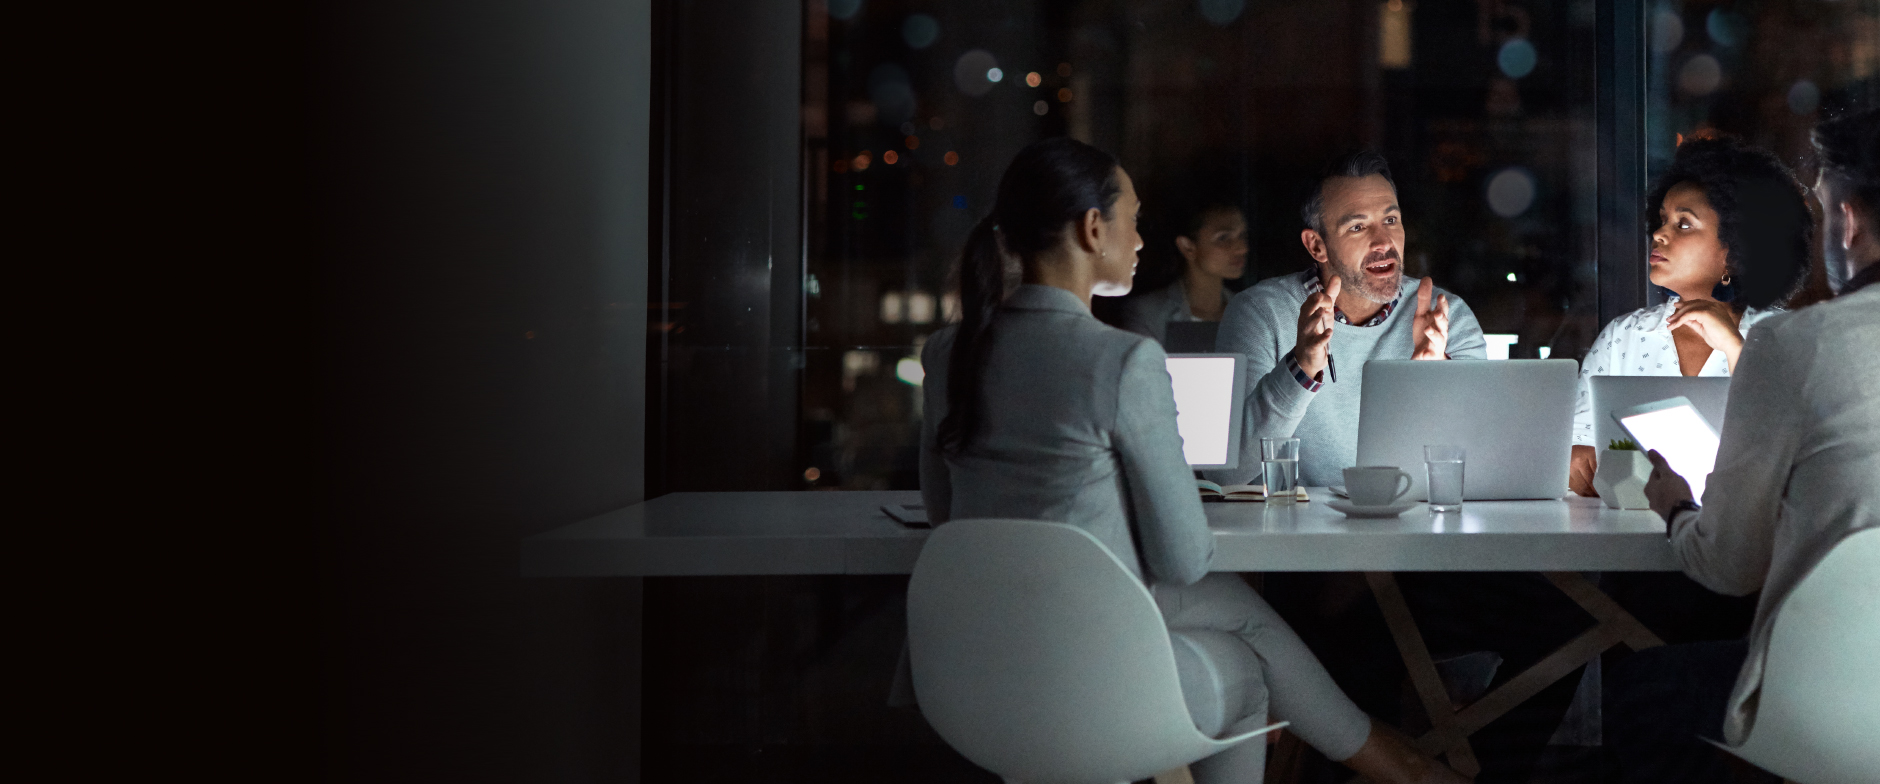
(1660, 705)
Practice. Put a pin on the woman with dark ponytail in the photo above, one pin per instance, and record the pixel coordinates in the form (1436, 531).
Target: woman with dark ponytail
(1036, 410)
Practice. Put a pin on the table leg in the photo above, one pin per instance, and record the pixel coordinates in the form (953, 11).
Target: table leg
(1603, 609)
(1429, 685)
(1518, 689)
(1451, 728)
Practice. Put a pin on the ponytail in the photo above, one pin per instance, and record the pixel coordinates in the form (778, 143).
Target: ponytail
(1050, 184)
(982, 287)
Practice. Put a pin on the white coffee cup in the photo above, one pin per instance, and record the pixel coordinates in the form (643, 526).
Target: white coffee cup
(1376, 485)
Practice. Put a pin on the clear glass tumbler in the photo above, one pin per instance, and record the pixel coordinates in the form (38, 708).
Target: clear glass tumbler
(1445, 464)
(1279, 461)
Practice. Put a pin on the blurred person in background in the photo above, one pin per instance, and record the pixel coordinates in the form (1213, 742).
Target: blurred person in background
(1795, 474)
(1213, 248)
(1730, 243)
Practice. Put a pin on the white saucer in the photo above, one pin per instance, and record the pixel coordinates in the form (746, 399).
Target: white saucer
(1353, 510)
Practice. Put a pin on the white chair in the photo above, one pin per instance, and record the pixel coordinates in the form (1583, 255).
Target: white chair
(1818, 717)
(1039, 657)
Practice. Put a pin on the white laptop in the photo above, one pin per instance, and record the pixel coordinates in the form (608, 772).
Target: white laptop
(1616, 393)
(1207, 407)
(1514, 418)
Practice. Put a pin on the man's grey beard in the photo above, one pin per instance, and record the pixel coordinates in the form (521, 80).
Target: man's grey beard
(1361, 284)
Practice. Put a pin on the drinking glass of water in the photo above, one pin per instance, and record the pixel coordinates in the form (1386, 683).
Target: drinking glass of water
(1279, 459)
(1445, 463)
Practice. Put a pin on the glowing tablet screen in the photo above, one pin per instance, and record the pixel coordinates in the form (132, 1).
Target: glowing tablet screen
(1681, 435)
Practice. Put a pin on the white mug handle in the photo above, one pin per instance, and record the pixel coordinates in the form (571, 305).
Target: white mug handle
(1403, 485)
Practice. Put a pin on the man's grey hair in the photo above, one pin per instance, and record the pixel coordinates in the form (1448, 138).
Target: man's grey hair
(1356, 165)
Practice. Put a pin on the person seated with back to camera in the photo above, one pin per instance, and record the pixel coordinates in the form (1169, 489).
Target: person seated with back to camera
(1036, 410)
(1795, 474)
(1213, 248)
(1730, 242)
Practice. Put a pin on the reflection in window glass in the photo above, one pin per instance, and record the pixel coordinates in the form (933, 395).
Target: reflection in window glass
(1767, 70)
(912, 108)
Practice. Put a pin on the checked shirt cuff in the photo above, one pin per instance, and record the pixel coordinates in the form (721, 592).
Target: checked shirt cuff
(1311, 383)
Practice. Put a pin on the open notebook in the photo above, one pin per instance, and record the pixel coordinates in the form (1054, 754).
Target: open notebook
(1213, 492)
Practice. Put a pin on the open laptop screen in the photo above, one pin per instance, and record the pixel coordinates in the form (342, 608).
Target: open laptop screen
(1207, 407)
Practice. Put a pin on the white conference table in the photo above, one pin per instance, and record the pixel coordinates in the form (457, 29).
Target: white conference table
(845, 532)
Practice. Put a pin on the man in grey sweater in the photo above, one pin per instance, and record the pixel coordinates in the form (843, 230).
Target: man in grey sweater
(1354, 305)
(1307, 337)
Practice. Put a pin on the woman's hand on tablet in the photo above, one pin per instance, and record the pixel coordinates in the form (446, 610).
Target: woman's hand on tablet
(1665, 488)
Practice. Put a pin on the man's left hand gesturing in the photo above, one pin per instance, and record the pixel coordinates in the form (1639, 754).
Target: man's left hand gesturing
(1431, 326)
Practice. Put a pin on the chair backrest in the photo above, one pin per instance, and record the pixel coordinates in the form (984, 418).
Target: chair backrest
(1038, 656)
(1818, 715)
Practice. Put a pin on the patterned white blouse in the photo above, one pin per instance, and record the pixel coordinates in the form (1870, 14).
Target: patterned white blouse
(1639, 344)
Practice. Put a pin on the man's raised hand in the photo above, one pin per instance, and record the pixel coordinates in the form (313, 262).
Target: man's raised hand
(1315, 328)
(1430, 326)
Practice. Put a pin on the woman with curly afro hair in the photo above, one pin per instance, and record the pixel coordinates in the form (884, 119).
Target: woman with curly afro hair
(1729, 246)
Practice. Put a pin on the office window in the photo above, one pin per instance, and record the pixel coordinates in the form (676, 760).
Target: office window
(819, 165)
(912, 109)
(1766, 70)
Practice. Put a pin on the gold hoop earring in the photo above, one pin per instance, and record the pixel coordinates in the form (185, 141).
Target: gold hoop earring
(1726, 279)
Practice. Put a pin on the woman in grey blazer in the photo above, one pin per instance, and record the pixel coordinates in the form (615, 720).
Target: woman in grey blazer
(1036, 410)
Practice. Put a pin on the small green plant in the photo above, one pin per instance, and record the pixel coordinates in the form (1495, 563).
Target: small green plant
(1623, 445)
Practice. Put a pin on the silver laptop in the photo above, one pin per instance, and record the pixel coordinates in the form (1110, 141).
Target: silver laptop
(1208, 410)
(1616, 393)
(1514, 418)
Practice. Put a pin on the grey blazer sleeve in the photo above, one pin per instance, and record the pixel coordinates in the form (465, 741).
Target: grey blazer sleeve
(1171, 530)
(936, 485)
(1276, 401)
(1729, 544)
